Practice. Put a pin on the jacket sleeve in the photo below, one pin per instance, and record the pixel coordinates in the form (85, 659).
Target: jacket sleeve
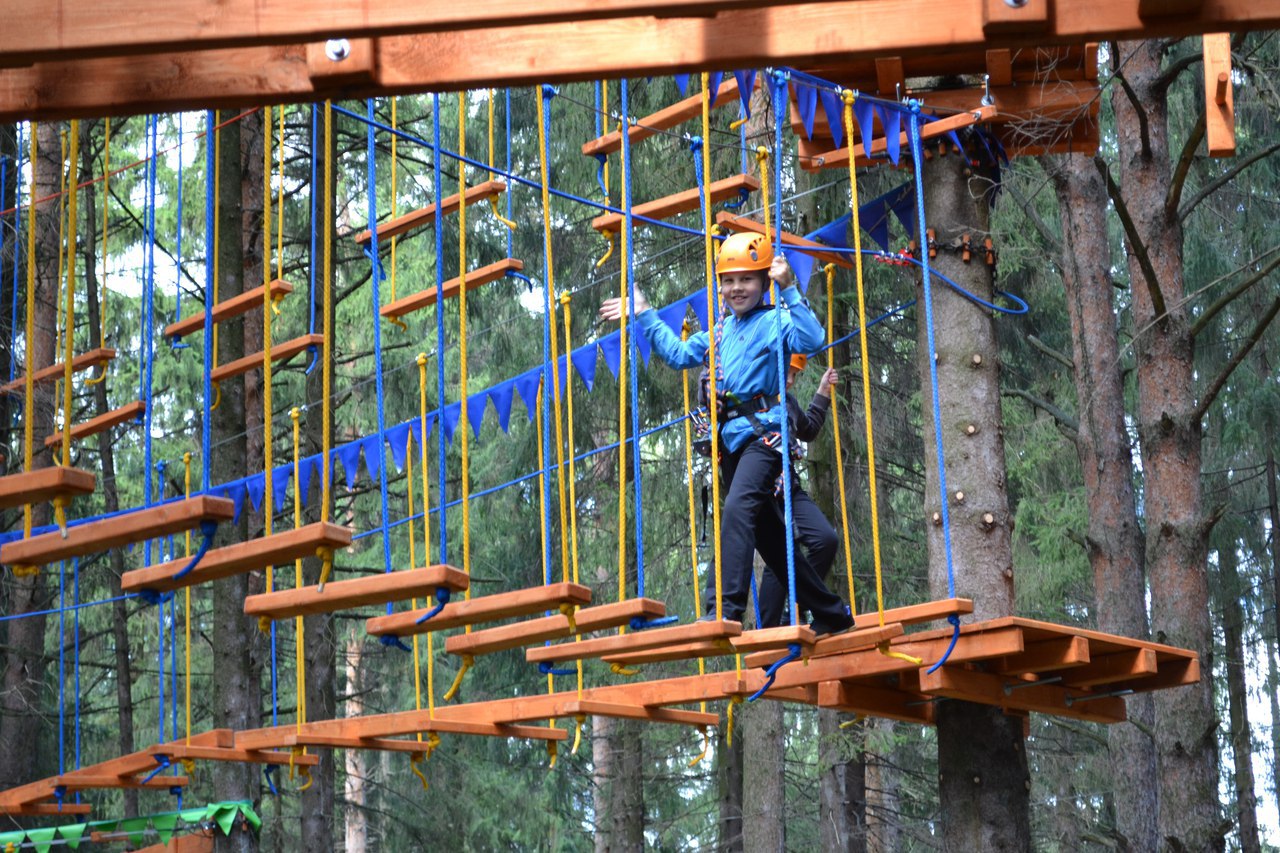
(803, 333)
(667, 344)
(808, 423)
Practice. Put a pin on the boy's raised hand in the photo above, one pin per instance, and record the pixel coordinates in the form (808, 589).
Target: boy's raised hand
(614, 308)
(780, 271)
(829, 379)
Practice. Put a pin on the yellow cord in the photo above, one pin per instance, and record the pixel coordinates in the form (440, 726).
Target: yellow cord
(467, 661)
(706, 743)
(728, 732)
(462, 357)
(62, 257)
(268, 501)
(762, 158)
(542, 480)
(624, 291)
(186, 493)
(553, 750)
(709, 260)
(280, 196)
(493, 199)
(565, 300)
(608, 253)
(619, 669)
(580, 721)
(830, 270)
(70, 312)
(217, 228)
(685, 330)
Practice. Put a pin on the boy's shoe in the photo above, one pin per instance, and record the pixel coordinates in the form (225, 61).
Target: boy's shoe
(711, 617)
(824, 630)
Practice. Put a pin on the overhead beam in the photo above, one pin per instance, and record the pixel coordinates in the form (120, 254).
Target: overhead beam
(521, 52)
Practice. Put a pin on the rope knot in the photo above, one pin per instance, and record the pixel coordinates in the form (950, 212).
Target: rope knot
(695, 143)
(762, 154)
(325, 553)
(848, 96)
(26, 571)
(568, 610)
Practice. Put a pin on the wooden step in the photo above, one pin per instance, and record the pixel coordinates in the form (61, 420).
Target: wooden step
(242, 756)
(356, 592)
(681, 202)
(475, 278)
(242, 557)
(279, 352)
(193, 842)
(426, 215)
(839, 158)
(778, 640)
(46, 809)
(736, 224)
(162, 782)
(107, 533)
(588, 619)
(638, 641)
(44, 484)
(346, 734)
(485, 608)
(621, 711)
(84, 361)
(101, 423)
(228, 308)
(663, 119)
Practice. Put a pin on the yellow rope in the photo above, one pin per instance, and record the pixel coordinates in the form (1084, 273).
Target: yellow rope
(604, 122)
(467, 661)
(608, 253)
(830, 270)
(102, 281)
(624, 292)
(565, 300)
(186, 609)
(706, 741)
(579, 722)
(542, 480)
(62, 253)
(29, 406)
(685, 331)
(733, 700)
(299, 628)
(268, 507)
(462, 357)
(709, 260)
(280, 196)
(217, 228)
(61, 502)
(413, 562)
(326, 370)
(762, 158)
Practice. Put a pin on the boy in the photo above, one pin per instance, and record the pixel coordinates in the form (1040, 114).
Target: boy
(748, 341)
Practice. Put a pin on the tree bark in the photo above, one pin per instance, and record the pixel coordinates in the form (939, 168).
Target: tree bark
(1114, 536)
(982, 762)
(764, 812)
(1273, 510)
(1170, 435)
(883, 804)
(603, 769)
(627, 791)
(729, 785)
(1238, 698)
(832, 814)
(355, 767)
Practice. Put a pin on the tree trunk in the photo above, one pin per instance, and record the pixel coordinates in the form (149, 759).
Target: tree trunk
(882, 802)
(626, 816)
(832, 813)
(603, 770)
(24, 658)
(1238, 698)
(1272, 651)
(355, 766)
(764, 812)
(1106, 459)
(1176, 530)
(729, 784)
(982, 762)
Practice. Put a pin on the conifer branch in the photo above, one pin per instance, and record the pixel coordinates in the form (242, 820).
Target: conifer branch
(1136, 245)
(1215, 387)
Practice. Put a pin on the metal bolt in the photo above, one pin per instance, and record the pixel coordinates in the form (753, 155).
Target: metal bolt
(337, 49)
(1016, 4)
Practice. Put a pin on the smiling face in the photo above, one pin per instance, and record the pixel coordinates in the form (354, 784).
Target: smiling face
(742, 290)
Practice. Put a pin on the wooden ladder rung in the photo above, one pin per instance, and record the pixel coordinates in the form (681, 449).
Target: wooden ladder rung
(84, 361)
(486, 608)
(621, 711)
(101, 423)
(914, 614)
(279, 352)
(638, 641)
(736, 224)
(193, 842)
(160, 782)
(356, 592)
(242, 557)
(228, 308)
(664, 119)
(681, 202)
(107, 533)
(426, 215)
(44, 484)
(475, 278)
(243, 756)
(348, 734)
(598, 618)
(46, 809)
(839, 158)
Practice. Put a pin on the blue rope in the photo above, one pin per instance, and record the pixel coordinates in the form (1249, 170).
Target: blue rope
(313, 350)
(779, 103)
(75, 627)
(771, 674)
(208, 528)
(148, 319)
(62, 668)
(162, 761)
(275, 678)
(443, 481)
(177, 263)
(630, 261)
(545, 94)
(160, 673)
(442, 598)
(53, 611)
(372, 158)
(545, 668)
(17, 241)
(206, 428)
(510, 201)
(913, 126)
(173, 664)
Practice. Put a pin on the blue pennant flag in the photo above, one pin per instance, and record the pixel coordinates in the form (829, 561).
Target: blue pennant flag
(834, 233)
(349, 457)
(905, 209)
(372, 446)
(236, 492)
(584, 361)
(611, 349)
(398, 438)
(475, 411)
(833, 108)
(527, 384)
(699, 303)
(802, 265)
(682, 80)
(746, 85)
(502, 394)
(449, 420)
(642, 344)
(673, 315)
(254, 488)
(807, 104)
(280, 479)
(713, 83)
(864, 112)
(891, 121)
(310, 467)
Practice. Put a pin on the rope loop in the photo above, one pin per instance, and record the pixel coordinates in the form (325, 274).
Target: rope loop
(325, 554)
(580, 722)
(467, 661)
(619, 669)
(416, 758)
(706, 747)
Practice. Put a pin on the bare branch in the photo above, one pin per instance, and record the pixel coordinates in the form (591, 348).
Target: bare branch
(1136, 245)
(1041, 226)
(1215, 387)
(1139, 111)
(1183, 168)
(1059, 357)
(1225, 299)
(1213, 186)
(1048, 408)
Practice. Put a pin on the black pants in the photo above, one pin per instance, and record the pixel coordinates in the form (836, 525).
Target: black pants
(751, 521)
(815, 552)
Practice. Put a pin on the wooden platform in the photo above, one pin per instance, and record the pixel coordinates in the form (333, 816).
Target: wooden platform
(107, 533)
(44, 484)
(839, 158)
(477, 277)
(664, 119)
(736, 224)
(226, 309)
(356, 592)
(760, 639)
(101, 423)
(635, 642)
(192, 842)
(681, 202)
(84, 361)
(598, 618)
(485, 608)
(242, 557)
(279, 353)
(426, 215)
(280, 737)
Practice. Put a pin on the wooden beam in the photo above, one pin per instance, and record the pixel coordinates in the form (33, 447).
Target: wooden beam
(638, 641)
(475, 278)
(681, 202)
(736, 224)
(356, 592)
(46, 809)
(839, 158)
(107, 533)
(84, 361)
(758, 640)
(1172, 673)
(618, 711)
(973, 644)
(1219, 97)
(891, 81)
(987, 689)
(1026, 17)
(160, 783)
(486, 608)
(598, 618)
(245, 756)
(664, 119)
(279, 353)
(242, 557)
(44, 484)
(1125, 666)
(678, 651)
(349, 728)
(226, 309)
(101, 423)
(427, 215)
(859, 698)
(192, 842)
(1000, 67)
(1047, 656)
(915, 614)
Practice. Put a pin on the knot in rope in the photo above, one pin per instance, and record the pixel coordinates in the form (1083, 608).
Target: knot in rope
(568, 610)
(848, 96)
(762, 154)
(467, 661)
(416, 758)
(188, 766)
(26, 571)
(695, 144)
(264, 624)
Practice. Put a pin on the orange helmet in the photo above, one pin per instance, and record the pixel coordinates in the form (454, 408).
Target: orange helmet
(799, 361)
(745, 252)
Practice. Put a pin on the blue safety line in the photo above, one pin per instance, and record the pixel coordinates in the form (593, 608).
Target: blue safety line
(17, 241)
(630, 260)
(62, 667)
(173, 664)
(779, 105)
(177, 262)
(275, 678)
(793, 652)
(313, 350)
(160, 673)
(17, 215)
(545, 94)
(443, 537)
(75, 627)
(53, 611)
(210, 252)
(148, 318)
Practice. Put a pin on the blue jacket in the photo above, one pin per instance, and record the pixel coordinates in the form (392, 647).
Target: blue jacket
(746, 354)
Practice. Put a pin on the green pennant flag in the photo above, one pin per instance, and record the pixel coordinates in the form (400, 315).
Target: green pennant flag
(224, 816)
(42, 839)
(165, 824)
(136, 827)
(14, 837)
(72, 834)
(193, 815)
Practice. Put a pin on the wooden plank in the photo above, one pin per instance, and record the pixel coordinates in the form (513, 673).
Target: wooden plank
(84, 361)
(987, 689)
(356, 592)
(598, 618)
(781, 637)
(638, 641)
(664, 119)
(475, 278)
(762, 639)
(44, 484)
(1047, 656)
(972, 644)
(737, 224)
(839, 158)
(426, 215)
(193, 842)
(678, 651)
(228, 308)
(279, 353)
(46, 809)
(1178, 672)
(1219, 97)
(485, 608)
(875, 702)
(1125, 666)
(245, 756)
(1166, 8)
(107, 533)
(1000, 67)
(101, 423)
(891, 80)
(681, 202)
(161, 782)
(242, 557)
(915, 614)
(1024, 17)
(346, 732)
(640, 712)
